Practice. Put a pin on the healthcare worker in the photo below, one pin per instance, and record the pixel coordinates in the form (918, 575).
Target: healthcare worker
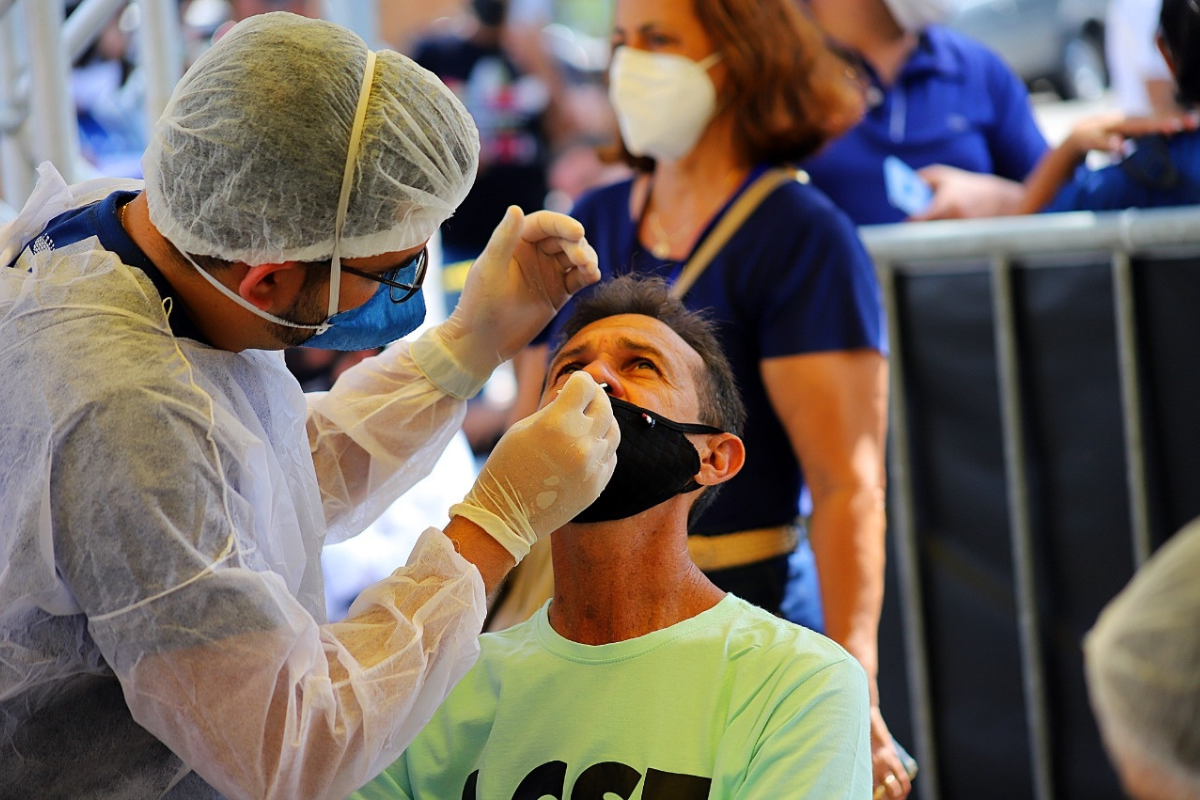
(166, 488)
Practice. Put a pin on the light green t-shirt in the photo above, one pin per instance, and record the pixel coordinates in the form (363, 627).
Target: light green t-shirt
(732, 703)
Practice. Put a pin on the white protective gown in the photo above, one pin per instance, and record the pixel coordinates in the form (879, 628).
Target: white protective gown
(162, 511)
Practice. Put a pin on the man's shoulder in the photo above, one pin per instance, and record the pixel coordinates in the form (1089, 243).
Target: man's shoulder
(499, 647)
(971, 62)
(760, 635)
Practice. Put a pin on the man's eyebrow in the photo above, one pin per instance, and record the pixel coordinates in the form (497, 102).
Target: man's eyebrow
(566, 354)
(641, 347)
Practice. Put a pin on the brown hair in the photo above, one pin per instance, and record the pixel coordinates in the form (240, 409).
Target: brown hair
(787, 91)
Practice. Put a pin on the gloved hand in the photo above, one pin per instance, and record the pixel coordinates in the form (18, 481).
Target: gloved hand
(546, 469)
(529, 269)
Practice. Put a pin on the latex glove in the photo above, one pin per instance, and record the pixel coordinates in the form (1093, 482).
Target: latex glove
(528, 271)
(546, 468)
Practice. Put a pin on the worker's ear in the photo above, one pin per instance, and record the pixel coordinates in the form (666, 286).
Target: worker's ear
(272, 287)
(721, 457)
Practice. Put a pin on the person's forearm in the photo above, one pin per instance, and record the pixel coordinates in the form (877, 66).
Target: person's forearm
(1054, 170)
(846, 531)
(301, 710)
(376, 433)
(475, 545)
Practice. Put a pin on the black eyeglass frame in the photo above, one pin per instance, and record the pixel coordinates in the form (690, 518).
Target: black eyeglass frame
(388, 278)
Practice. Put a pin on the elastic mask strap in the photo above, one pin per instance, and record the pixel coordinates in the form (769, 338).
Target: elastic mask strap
(360, 115)
(689, 427)
(654, 418)
(710, 61)
(246, 304)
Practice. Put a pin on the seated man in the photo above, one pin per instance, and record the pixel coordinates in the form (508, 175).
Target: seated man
(641, 679)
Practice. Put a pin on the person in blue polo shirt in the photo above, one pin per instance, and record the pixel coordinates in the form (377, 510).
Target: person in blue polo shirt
(940, 102)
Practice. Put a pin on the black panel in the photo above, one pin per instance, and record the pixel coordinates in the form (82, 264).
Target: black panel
(1078, 494)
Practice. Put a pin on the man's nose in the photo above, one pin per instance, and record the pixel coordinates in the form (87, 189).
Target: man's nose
(607, 377)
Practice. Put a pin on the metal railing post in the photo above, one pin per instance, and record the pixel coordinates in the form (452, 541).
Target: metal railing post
(53, 111)
(161, 39)
(16, 165)
(85, 24)
(1131, 405)
(1020, 529)
(908, 564)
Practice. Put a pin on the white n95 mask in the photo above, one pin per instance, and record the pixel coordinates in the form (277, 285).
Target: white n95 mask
(917, 15)
(663, 101)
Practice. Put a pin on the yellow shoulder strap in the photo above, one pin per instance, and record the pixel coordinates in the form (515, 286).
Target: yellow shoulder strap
(749, 200)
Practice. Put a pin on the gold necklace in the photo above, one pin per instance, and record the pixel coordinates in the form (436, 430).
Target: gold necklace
(662, 239)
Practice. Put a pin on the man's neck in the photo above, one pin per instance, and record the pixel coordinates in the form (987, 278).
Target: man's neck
(221, 322)
(871, 31)
(619, 580)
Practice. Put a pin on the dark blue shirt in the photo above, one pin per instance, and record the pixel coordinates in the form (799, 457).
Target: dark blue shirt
(793, 279)
(1161, 171)
(102, 220)
(954, 102)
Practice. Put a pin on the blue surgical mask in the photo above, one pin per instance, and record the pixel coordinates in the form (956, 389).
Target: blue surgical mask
(376, 323)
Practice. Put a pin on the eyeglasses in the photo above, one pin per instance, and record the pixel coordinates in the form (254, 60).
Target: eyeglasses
(403, 281)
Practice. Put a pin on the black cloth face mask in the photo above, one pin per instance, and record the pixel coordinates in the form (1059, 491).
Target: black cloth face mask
(655, 462)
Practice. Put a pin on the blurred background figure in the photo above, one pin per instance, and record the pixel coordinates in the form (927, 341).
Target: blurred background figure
(530, 96)
(1140, 79)
(513, 109)
(109, 93)
(1143, 674)
(935, 97)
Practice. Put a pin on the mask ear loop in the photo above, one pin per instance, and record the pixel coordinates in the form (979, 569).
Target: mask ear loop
(360, 115)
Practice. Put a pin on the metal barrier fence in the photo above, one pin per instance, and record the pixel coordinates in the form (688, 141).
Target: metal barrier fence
(1004, 250)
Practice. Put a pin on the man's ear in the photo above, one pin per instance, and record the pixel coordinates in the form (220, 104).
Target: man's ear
(721, 457)
(272, 287)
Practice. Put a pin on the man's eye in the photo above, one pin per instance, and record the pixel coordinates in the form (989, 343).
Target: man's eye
(643, 363)
(566, 369)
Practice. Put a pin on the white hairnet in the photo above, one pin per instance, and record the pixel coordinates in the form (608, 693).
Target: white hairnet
(1143, 665)
(246, 162)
